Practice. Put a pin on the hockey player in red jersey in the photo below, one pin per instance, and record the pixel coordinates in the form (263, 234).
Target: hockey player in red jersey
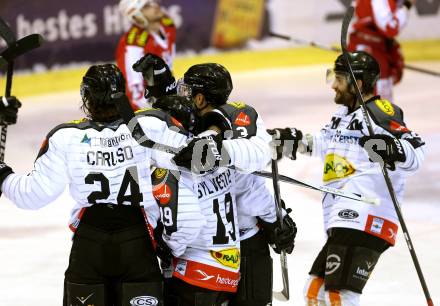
(152, 31)
(357, 233)
(378, 24)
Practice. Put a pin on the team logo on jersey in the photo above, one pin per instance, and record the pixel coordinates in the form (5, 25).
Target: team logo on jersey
(144, 300)
(238, 105)
(385, 106)
(228, 257)
(162, 193)
(336, 167)
(86, 140)
(242, 120)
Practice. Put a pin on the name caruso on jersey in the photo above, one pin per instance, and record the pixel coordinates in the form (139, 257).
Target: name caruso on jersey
(111, 158)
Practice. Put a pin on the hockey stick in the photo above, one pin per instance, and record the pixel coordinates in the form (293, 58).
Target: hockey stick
(129, 117)
(279, 210)
(305, 42)
(3, 62)
(344, 30)
(326, 189)
(9, 37)
(15, 49)
(336, 49)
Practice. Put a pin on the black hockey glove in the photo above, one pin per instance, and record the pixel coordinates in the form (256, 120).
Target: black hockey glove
(280, 239)
(5, 171)
(213, 118)
(203, 154)
(162, 249)
(157, 75)
(8, 110)
(286, 140)
(383, 149)
(408, 4)
(181, 108)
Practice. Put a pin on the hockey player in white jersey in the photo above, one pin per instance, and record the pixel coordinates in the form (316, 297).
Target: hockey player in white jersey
(218, 253)
(210, 84)
(357, 233)
(112, 261)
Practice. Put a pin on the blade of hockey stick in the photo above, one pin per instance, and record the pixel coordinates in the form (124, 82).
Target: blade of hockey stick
(388, 183)
(22, 46)
(279, 210)
(6, 33)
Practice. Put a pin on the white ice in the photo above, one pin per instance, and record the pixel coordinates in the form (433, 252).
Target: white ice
(34, 245)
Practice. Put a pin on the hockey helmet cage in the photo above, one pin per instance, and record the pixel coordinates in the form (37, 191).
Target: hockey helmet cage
(99, 83)
(364, 66)
(132, 9)
(210, 79)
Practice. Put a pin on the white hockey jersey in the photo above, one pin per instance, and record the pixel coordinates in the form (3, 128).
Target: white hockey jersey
(212, 261)
(347, 166)
(253, 200)
(101, 164)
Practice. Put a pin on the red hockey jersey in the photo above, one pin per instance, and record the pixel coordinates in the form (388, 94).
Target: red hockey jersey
(136, 43)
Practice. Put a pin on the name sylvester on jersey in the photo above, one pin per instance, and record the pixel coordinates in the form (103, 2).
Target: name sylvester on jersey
(214, 184)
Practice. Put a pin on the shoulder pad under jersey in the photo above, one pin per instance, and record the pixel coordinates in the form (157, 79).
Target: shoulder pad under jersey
(81, 124)
(243, 119)
(165, 191)
(84, 123)
(160, 114)
(388, 116)
(167, 21)
(137, 37)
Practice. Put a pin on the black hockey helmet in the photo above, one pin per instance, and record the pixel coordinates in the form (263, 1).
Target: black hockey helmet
(210, 79)
(98, 84)
(181, 108)
(364, 66)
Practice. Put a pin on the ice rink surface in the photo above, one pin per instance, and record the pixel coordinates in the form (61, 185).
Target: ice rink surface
(34, 245)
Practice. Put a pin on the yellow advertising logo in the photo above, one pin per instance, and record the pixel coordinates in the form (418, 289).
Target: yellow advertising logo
(228, 257)
(385, 106)
(336, 167)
